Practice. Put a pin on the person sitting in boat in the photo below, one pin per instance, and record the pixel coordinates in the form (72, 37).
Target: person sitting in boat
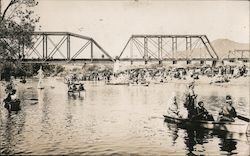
(74, 87)
(81, 87)
(228, 112)
(74, 78)
(10, 97)
(7, 101)
(202, 113)
(10, 87)
(14, 95)
(70, 87)
(173, 109)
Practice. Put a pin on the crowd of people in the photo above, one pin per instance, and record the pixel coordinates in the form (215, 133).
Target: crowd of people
(219, 74)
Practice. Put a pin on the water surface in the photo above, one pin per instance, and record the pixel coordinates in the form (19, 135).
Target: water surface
(114, 120)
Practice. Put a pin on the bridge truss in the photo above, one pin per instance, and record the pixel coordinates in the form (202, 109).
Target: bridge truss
(64, 47)
(239, 53)
(168, 47)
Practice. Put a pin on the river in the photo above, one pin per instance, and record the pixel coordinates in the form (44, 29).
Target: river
(107, 120)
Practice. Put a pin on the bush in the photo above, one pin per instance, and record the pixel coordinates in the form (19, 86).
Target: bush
(8, 69)
(59, 69)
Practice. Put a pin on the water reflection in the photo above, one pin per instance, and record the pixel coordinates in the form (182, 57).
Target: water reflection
(76, 96)
(111, 120)
(13, 128)
(227, 145)
(173, 128)
(196, 139)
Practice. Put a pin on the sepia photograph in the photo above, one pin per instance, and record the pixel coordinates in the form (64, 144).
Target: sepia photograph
(125, 77)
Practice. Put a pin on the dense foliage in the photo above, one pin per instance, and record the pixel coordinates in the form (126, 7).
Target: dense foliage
(28, 70)
(17, 24)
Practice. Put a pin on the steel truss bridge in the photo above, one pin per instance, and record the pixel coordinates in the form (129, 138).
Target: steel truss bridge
(168, 47)
(55, 47)
(66, 47)
(238, 54)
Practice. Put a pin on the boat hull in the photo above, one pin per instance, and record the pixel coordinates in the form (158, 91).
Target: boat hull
(117, 83)
(236, 127)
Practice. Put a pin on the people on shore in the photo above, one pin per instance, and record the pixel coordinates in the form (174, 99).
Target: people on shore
(218, 74)
(227, 112)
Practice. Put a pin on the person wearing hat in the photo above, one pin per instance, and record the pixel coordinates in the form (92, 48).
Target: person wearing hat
(13, 95)
(202, 113)
(228, 112)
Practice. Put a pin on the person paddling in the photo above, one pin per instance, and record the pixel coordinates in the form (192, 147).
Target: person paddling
(227, 112)
(202, 113)
(190, 100)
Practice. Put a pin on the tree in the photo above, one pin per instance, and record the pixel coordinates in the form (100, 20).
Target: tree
(17, 23)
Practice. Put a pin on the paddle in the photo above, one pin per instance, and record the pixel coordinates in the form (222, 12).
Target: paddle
(243, 118)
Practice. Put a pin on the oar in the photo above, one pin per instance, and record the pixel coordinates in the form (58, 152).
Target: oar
(243, 118)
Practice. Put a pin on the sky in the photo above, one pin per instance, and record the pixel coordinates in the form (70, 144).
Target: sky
(111, 23)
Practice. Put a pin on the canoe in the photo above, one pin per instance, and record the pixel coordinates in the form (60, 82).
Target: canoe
(117, 83)
(132, 84)
(139, 84)
(71, 92)
(75, 91)
(238, 126)
(77, 88)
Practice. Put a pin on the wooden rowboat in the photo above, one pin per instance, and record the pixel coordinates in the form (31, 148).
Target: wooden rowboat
(238, 126)
(77, 90)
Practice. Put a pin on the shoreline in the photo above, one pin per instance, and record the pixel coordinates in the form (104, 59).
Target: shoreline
(242, 81)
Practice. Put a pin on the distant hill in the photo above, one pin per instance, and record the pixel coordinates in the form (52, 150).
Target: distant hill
(221, 46)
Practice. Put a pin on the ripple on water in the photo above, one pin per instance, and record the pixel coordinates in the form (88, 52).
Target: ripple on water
(112, 120)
